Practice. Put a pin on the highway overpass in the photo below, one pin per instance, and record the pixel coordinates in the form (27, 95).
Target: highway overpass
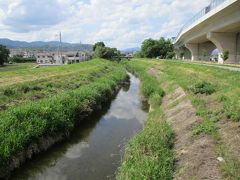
(217, 26)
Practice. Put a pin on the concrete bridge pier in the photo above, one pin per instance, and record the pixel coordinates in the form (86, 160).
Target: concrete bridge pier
(182, 53)
(226, 42)
(193, 48)
(201, 51)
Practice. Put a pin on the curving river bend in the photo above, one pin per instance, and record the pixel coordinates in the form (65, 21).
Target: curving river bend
(95, 149)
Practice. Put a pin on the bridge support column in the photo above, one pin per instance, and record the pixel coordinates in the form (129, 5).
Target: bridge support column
(182, 53)
(238, 48)
(225, 42)
(194, 49)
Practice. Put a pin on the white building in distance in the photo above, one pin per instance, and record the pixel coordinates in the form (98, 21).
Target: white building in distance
(62, 58)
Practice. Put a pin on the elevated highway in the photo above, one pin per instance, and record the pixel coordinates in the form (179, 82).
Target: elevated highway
(217, 26)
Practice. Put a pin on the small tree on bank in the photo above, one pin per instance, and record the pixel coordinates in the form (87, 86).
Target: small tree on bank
(225, 55)
(4, 54)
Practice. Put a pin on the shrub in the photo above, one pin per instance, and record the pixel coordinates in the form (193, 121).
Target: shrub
(225, 55)
(203, 88)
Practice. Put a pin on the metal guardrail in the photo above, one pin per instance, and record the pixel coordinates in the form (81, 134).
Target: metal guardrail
(203, 12)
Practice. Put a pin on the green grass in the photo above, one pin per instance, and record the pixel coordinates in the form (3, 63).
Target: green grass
(149, 155)
(17, 66)
(218, 81)
(214, 92)
(25, 124)
(202, 88)
(28, 84)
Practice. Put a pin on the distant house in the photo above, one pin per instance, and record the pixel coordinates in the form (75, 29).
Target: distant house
(45, 58)
(28, 54)
(69, 57)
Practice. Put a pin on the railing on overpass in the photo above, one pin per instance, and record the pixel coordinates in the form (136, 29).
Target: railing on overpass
(203, 12)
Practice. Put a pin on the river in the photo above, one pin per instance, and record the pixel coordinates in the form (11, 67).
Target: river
(95, 149)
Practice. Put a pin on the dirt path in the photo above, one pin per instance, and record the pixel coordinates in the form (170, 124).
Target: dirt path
(195, 155)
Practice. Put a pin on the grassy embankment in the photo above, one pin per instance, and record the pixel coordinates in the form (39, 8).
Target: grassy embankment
(20, 83)
(215, 93)
(149, 155)
(58, 113)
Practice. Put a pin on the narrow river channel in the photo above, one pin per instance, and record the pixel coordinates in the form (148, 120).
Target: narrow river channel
(95, 149)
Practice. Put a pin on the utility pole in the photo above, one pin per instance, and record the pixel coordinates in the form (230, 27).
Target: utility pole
(61, 46)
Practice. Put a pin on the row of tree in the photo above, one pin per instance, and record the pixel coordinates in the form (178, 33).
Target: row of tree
(162, 48)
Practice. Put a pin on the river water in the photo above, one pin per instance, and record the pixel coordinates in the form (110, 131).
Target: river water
(95, 149)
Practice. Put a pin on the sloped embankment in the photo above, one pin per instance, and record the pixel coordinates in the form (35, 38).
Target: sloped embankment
(34, 127)
(149, 154)
(195, 157)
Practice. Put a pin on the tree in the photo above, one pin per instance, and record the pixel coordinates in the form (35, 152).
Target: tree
(225, 55)
(101, 51)
(153, 48)
(4, 54)
(98, 44)
(170, 55)
(148, 48)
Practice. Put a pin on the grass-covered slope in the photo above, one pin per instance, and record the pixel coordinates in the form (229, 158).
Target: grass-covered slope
(226, 83)
(28, 123)
(149, 155)
(21, 83)
(215, 94)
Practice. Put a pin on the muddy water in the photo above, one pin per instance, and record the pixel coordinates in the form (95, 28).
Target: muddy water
(95, 149)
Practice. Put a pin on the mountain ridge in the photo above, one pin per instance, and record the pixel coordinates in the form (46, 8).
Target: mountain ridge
(43, 45)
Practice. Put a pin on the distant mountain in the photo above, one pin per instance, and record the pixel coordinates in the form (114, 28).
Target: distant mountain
(41, 45)
(131, 50)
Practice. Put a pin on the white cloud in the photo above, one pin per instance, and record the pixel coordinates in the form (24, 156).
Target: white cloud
(119, 23)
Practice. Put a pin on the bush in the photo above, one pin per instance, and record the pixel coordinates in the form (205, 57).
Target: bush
(203, 88)
(170, 55)
(225, 55)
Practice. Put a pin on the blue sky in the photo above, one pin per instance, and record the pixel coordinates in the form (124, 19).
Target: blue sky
(119, 23)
